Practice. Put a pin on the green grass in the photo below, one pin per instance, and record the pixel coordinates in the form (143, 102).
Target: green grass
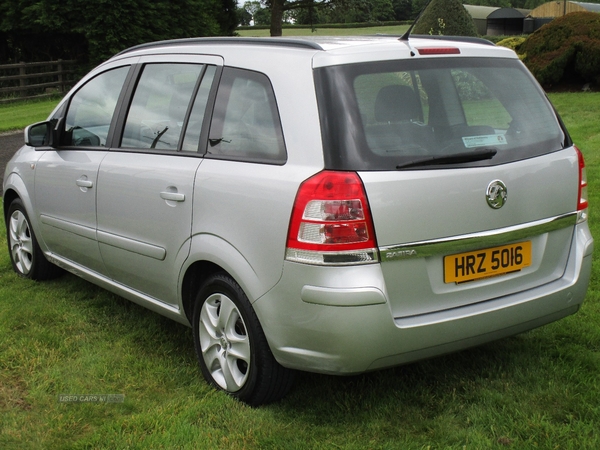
(16, 116)
(537, 390)
(324, 31)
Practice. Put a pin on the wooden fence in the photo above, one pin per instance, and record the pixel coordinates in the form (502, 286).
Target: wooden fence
(35, 80)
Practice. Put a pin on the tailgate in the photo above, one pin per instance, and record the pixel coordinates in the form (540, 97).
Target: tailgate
(442, 246)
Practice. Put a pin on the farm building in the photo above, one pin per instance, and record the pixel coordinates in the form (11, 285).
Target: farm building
(560, 8)
(493, 21)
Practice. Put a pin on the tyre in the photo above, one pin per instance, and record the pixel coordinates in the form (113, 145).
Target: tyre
(25, 253)
(232, 350)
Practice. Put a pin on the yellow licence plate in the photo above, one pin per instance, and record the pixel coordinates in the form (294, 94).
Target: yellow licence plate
(488, 262)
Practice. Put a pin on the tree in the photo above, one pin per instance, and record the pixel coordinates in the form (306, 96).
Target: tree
(227, 17)
(47, 29)
(382, 10)
(446, 17)
(417, 6)
(262, 16)
(351, 11)
(252, 8)
(402, 9)
(244, 17)
(279, 7)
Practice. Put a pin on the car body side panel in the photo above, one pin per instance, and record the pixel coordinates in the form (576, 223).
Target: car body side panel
(19, 177)
(65, 191)
(244, 208)
(248, 206)
(145, 219)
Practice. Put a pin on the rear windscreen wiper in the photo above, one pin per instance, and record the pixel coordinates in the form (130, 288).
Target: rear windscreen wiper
(457, 158)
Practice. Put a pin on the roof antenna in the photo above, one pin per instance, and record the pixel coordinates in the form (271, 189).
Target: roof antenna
(406, 35)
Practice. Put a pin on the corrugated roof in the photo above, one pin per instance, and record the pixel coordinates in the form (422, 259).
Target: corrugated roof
(492, 12)
(480, 12)
(593, 7)
(510, 13)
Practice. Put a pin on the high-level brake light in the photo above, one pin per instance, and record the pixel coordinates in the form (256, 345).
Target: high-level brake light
(438, 51)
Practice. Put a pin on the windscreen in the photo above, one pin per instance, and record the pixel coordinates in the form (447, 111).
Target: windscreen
(395, 114)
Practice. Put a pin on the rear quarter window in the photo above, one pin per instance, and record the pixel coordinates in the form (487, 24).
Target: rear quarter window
(245, 124)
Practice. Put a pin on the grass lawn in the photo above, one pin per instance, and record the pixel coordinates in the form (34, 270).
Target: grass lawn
(396, 29)
(537, 390)
(16, 116)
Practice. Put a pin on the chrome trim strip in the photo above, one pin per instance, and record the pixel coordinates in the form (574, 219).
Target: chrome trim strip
(474, 241)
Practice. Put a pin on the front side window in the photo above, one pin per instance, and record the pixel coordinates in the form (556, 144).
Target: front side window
(245, 124)
(91, 109)
(388, 115)
(157, 113)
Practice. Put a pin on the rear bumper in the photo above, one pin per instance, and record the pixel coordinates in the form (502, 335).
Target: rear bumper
(315, 320)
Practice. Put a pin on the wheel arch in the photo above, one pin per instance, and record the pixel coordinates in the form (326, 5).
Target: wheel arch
(15, 187)
(210, 254)
(8, 197)
(194, 277)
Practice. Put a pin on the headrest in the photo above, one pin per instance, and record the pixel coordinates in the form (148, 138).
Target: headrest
(397, 103)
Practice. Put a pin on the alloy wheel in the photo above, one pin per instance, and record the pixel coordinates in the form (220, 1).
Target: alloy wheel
(224, 342)
(20, 241)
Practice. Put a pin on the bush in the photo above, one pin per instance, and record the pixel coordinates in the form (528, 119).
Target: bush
(512, 42)
(566, 50)
(446, 17)
(496, 38)
(587, 61)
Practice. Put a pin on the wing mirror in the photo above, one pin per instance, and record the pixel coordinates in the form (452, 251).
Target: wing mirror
(42, 134)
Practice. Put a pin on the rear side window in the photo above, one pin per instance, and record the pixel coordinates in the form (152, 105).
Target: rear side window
(245, 124)
(157, 113)
(380, 116)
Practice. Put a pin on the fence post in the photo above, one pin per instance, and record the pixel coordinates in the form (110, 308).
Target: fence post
(22, 83)
(61, 84)
(27, 80)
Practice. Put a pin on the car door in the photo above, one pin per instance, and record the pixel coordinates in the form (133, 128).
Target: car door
(65, 178)
(145, 185)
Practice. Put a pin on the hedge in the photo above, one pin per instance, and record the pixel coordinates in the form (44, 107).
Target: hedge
(566, 50)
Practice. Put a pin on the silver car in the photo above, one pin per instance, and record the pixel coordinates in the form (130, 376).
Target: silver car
(331, 205)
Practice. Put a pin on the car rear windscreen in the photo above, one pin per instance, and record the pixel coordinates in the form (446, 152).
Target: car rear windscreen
(391, 114)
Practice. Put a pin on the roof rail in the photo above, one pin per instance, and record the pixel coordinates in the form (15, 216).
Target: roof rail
(278, 42)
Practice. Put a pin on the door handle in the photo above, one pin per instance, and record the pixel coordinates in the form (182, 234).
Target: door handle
(84, 183)
(172, 196)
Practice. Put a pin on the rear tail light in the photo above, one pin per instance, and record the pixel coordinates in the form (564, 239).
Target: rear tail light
(331, 222)
(582, 200)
